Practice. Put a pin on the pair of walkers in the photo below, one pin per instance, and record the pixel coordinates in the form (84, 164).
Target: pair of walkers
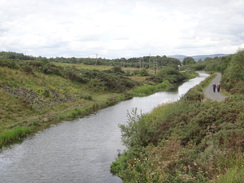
(216, 86)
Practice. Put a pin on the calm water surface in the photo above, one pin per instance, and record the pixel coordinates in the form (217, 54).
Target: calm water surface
(82, 150)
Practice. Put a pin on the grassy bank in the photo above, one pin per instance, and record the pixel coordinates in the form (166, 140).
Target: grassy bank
(31, 99)
(193, 140)
(186, 141)
(36, 94)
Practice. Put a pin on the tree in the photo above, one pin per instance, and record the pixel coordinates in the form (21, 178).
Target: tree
(171, 74)
(188, 60)
(143, 72)
(236, 68)
(233, 77)
(117, 69)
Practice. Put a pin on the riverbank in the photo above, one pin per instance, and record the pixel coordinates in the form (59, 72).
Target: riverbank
(191, 140)
(35, 95)
(31, 102)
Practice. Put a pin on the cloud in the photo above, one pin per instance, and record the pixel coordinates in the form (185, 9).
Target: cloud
(121, 28)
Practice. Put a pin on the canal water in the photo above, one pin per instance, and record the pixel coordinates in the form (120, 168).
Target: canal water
(82, 150)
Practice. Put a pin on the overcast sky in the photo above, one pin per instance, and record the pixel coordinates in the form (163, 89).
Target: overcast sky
(121, 28)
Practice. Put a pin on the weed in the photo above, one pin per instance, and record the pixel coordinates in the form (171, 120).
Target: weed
(9, 136)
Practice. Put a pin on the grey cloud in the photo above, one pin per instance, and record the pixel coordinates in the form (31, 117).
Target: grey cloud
(117, 28)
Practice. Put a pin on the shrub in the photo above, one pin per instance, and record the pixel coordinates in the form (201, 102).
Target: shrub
(143, 72)
(9, 63)
(186, 141)
(193, 95)
(233, 76)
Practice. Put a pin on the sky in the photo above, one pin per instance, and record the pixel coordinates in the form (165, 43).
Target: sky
(121, 28)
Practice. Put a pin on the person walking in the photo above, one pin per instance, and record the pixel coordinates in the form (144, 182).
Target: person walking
(214, 87)
(218, 87)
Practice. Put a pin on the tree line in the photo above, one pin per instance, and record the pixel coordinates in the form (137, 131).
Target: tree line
(152, 62)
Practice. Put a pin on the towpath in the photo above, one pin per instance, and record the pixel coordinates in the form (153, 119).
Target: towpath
(217, 96)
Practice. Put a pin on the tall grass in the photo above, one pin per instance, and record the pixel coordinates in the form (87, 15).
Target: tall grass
(13, 135)
(235, 174)
(150, 89)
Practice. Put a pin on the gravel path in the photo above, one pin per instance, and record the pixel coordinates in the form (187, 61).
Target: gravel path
(209, 90)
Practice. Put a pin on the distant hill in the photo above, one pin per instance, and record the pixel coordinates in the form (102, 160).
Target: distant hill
(197, 57)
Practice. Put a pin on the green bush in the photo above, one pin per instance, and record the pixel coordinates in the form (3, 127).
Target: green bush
(143, 72)
(233, 76)
(193, 95)
(9, 63)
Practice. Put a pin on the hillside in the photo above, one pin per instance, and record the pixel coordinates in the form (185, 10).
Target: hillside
(35, 94)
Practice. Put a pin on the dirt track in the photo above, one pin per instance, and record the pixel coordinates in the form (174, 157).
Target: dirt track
(209, 90)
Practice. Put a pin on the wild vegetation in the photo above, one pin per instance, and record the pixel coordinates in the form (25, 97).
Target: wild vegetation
(192, 140)
(35, 92)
